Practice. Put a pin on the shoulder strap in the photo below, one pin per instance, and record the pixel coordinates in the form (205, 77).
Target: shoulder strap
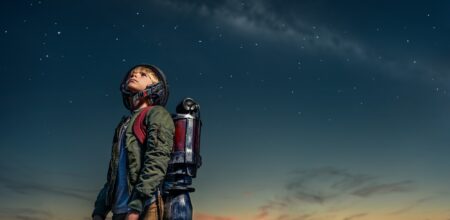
(139, 126)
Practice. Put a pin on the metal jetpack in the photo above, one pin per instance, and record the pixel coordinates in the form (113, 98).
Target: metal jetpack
(184, 162)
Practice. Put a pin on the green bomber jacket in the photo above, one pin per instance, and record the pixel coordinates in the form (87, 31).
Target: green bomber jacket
(147, 163)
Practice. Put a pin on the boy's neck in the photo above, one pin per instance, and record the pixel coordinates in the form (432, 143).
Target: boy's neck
(143, 105)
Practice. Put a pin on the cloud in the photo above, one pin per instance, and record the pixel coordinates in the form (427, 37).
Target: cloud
(352, 217)
(410, 206)
(323, 184)
(403, 186)
(30, 187)
(283, 217)
(25, 214)
(271, 205)
(315, 192)
(205, 216)
(302, 217)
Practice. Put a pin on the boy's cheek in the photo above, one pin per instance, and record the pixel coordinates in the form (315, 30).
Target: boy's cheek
(131, 87)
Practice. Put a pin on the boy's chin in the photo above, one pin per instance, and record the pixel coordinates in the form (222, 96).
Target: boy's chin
(132, 89)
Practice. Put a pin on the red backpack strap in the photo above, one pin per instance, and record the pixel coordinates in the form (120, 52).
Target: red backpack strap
(139, 126)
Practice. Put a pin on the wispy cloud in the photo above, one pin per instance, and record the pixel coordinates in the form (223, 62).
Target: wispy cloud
(25, 214)
(375, 189)
(31, 187)
(265, 210)
(411, 206)
(322, 184)
(322, 188)
(355, 216)
(205, 216)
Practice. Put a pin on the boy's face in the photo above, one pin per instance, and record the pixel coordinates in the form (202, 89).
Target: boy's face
(140, 78)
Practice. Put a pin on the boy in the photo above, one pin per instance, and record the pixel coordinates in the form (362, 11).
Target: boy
(137, 170)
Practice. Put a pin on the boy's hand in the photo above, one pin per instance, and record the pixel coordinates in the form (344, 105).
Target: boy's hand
(133, 216)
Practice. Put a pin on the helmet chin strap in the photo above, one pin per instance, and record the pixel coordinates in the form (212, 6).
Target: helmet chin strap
(152, 92)
(135, 103)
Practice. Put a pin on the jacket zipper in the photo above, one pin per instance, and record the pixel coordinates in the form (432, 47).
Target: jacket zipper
(115, 161)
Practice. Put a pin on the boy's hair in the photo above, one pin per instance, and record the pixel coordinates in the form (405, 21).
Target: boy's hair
(157, 93)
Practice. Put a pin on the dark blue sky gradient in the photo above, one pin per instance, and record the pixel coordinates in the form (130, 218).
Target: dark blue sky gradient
(347, 102)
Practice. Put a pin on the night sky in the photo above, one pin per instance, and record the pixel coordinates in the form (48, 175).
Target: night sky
(311, 110)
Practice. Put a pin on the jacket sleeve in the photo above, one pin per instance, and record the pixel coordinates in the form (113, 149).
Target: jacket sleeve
(159, 142)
